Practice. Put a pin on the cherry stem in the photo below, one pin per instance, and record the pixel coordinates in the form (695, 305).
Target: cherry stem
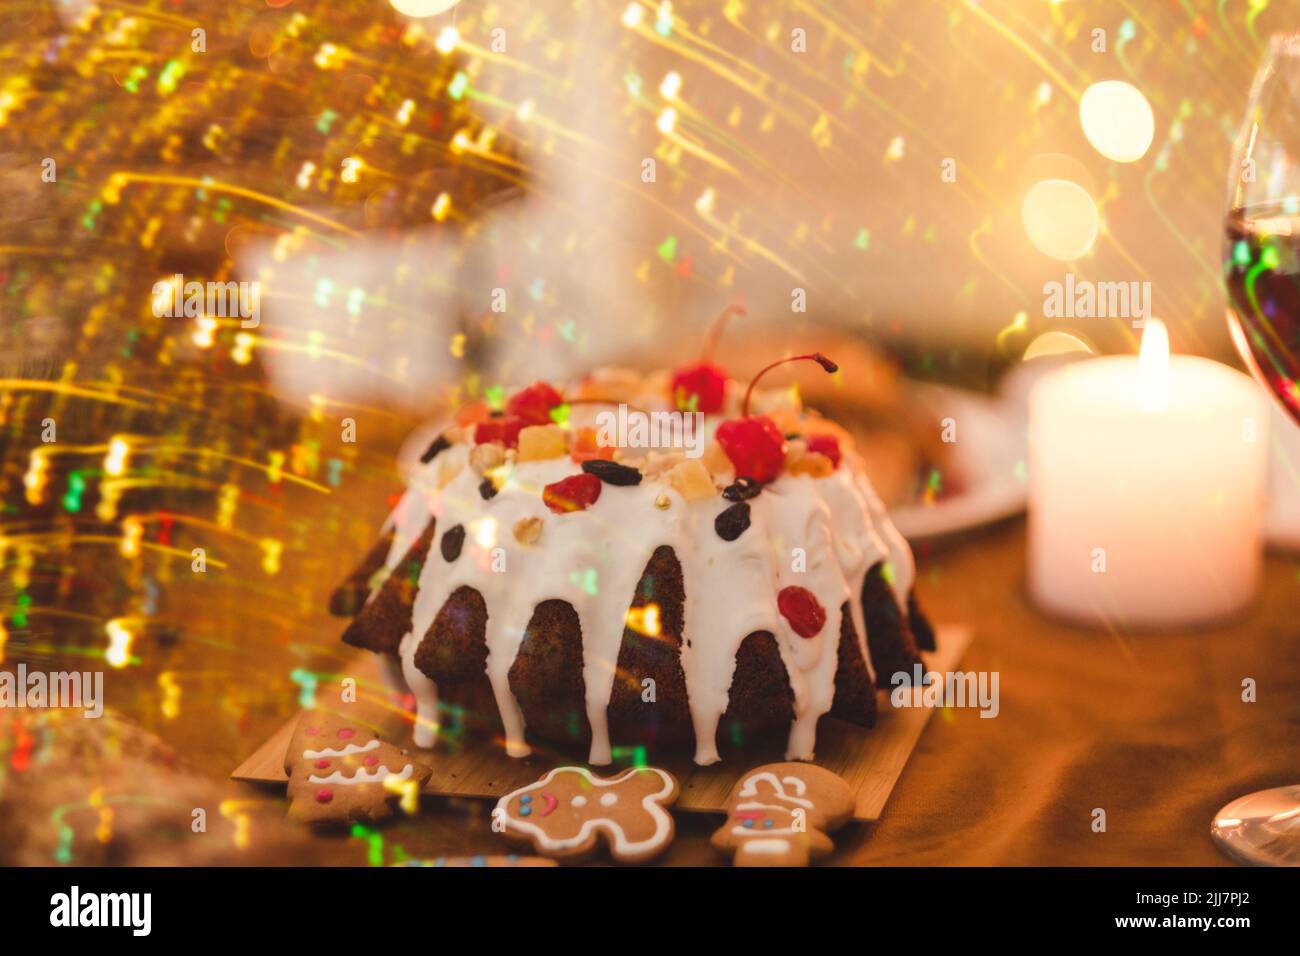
(817, 357)
(715, 330)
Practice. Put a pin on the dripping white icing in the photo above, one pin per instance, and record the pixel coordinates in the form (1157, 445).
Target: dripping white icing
(750, 788)
(424, 691)
(594, 559)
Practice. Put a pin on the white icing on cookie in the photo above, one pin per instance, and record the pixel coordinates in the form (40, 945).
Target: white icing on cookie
(594, 559)
(766, 846)
(609, 799)
(750, 788)
(377, 775)
(349, 749)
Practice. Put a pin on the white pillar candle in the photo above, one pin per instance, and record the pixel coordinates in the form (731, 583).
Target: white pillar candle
(1146, 488)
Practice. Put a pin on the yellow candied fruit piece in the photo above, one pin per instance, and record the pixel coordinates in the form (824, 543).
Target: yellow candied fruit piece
(691, 480)
(528, 530)
(657, 463)
(539, 442)
(811, 463)
(716, 460)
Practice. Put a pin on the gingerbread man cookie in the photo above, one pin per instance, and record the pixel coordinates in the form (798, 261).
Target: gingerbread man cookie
(569, 811)
(779, 814)
(341, 772)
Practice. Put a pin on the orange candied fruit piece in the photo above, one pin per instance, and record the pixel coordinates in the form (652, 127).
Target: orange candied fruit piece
(587, 447)
(473, 413)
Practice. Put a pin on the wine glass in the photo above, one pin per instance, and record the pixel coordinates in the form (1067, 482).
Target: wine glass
(1262, 273)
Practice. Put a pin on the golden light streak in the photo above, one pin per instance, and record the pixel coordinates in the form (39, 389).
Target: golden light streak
(119, 180)
(64, 388)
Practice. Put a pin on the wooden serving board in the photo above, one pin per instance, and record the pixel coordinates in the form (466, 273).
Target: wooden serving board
(870, 760)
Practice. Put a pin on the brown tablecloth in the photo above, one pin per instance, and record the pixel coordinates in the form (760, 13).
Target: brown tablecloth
(1149, 727)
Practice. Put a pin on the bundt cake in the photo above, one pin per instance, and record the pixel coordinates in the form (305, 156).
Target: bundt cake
(668, 560)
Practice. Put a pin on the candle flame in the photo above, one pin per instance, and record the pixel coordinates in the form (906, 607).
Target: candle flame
(1153, 367)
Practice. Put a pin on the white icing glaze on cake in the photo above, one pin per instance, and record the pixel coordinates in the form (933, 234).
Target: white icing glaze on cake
(730, 587)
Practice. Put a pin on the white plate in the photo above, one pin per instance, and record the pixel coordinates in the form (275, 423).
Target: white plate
(988, 454)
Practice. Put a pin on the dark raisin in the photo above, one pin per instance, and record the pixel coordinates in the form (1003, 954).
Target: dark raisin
(452, 542)
(487, 490)
(497, 413)
(792, 436)
(611, 472)
(742, 489)
(731, 524)
(440, 444)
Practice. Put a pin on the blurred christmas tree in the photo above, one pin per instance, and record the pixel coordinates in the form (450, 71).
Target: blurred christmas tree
(160, 140)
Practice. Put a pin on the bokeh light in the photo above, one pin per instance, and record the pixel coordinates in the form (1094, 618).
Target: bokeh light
(1060, 219)
(1117, 120)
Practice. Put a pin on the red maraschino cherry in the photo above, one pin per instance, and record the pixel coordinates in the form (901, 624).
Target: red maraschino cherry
(755, 444)
(533, 404)
(702, 387)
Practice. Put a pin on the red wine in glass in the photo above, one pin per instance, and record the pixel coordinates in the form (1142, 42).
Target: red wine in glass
(1263, 280)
